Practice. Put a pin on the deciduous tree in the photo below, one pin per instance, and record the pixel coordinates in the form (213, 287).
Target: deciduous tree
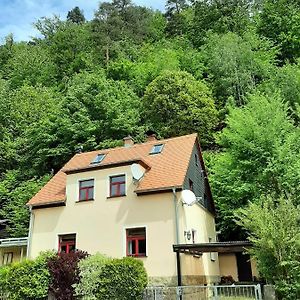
(175, 103)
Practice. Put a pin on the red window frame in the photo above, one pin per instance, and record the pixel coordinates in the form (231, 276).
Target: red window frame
(67, 243)
(137, 239)
(86, 189)
(118, 185)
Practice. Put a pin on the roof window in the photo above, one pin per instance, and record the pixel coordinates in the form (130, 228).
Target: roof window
(98, 159)
(156, 149)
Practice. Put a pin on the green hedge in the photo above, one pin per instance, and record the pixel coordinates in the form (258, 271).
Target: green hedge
(28, 279)
(122, 279)
(89, 272)
(97, 277)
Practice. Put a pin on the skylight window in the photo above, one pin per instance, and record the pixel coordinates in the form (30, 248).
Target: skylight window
(98, 159)
(156, 149)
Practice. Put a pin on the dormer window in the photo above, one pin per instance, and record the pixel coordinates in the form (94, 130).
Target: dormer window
(157, 149)
(98, 159)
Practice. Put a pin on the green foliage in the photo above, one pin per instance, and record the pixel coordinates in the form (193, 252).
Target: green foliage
(90, 83)
(280, 22)
(70, 49)
(122, 279)
(219, 16)
(178, 16)
(76, 15)
(30, 64)
(3, 279)
(286, 80)
(90, 270)
(236, 64)
(119, 21)
(185, 106)
(14, 194)
(153, 59)
(273, 226)
(29, 279)
(260, 156)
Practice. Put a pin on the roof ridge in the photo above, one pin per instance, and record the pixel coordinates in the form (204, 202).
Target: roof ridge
(138, 144)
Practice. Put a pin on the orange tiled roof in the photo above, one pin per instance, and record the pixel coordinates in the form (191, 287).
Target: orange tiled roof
(165, 170)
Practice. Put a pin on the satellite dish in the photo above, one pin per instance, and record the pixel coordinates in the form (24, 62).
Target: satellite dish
(137, 171)
(188, 197)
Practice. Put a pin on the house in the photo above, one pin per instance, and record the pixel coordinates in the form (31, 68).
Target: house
(11, 249)
(95, 203)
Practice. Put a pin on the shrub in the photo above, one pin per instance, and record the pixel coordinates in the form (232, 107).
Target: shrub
(29, 279)
(90, 270)
(273, 227)
(3, 279)
(64, 274)
(122, 279)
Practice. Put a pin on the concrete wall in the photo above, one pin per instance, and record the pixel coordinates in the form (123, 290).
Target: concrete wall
(100, 225)
(228, 265)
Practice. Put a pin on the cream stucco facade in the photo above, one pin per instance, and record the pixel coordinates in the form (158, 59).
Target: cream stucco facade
(100, 226)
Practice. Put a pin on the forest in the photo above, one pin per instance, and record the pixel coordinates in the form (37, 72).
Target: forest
(226, 69)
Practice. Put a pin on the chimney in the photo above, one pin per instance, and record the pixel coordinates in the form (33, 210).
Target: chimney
(151, 136)
(128, 141)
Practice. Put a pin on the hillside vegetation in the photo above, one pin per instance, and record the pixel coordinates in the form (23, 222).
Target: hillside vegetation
(228, 70)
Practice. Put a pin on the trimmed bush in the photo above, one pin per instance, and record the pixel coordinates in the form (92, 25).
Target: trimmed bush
(122, 279)
(29, 279)
(65, 274)
(90, 270)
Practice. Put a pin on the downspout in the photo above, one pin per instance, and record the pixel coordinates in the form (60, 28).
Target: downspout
(179, 281)
(30, 231)
(176, 216)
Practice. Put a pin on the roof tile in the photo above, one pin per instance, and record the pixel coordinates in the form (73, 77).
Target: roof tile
(167, 169)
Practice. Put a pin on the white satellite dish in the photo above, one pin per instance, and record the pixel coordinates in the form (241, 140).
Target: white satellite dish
(137, 171)
(188, 197)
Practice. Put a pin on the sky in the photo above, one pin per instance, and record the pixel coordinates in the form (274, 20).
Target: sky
(17, 16)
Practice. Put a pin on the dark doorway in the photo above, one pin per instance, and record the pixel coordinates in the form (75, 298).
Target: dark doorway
(244, 267)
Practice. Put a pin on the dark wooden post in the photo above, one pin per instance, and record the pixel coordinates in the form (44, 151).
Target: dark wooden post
(179, 280)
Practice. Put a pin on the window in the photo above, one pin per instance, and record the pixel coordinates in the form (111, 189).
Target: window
(67, 243)
(196, 160)
(191, 185)
(136, 242)
(156, 149)
(117, 186)
(86, 189)
(98, 159)
(7, 258)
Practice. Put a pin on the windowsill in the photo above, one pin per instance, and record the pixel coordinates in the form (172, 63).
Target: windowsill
(117, 196)
(137, 256)
(87, 200)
